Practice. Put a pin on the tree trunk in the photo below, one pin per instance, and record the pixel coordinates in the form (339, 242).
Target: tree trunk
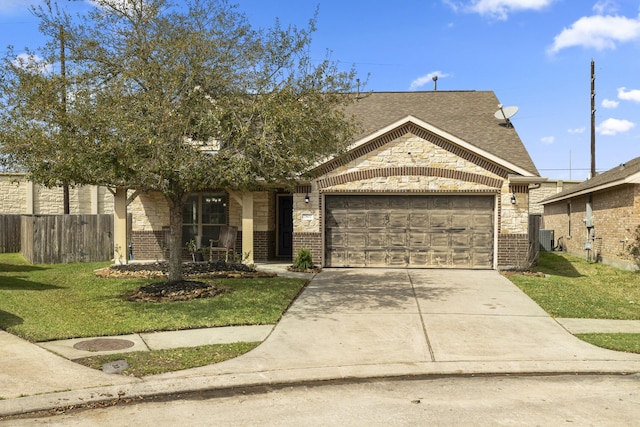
(175, 241)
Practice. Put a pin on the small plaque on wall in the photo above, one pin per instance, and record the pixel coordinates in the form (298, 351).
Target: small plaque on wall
(307, 217)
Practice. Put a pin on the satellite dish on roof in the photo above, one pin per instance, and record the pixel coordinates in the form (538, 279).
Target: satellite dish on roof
(505, 113)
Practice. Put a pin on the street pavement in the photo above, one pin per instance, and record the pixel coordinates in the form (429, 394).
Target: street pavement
(347, 324)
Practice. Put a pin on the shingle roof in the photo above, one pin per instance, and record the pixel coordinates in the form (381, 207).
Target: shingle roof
(616, 175)
(468, 115)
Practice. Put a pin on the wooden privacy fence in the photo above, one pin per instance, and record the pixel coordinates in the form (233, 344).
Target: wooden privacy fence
(52, 239)
(10, 233)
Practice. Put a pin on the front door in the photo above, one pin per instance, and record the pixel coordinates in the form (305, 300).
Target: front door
(285, 226)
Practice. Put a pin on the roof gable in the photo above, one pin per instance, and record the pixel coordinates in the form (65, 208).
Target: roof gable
(625, 173)
(463, 118)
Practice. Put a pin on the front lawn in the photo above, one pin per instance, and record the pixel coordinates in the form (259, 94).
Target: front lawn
(570, 287)
(51, 302)
(574, 288)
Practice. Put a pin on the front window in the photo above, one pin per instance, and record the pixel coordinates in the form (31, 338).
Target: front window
(202, 216)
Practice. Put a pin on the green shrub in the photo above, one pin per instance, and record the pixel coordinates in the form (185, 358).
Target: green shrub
(303, 260)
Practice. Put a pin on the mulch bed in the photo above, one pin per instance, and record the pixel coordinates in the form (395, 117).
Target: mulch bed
(182, 290)
(218, 269)
(523, 273)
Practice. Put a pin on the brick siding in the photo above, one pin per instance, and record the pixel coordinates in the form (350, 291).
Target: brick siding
(512, 251)
(616, 214)
(312, 241)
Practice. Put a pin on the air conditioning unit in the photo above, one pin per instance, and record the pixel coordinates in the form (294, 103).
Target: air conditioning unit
(546, 240)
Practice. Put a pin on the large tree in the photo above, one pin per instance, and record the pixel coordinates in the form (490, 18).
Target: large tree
(173, 98)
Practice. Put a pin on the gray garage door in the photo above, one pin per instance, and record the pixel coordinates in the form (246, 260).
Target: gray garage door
(409, 231)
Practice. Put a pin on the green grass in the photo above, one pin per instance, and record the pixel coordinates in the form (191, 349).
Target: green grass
(50, 302)
(619, 342)
(143, 363)
(575, 288)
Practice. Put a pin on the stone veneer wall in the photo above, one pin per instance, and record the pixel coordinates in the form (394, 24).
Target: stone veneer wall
(13, 194)
(546, 190)
(14, 198)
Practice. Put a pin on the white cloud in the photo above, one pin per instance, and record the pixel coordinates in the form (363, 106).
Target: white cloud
(597, 32)
(32, 62)
(614, 126)
(125, 6)
(577, 130)
(605, 6)
(427, 78)
(629, 95)
(609, 103)
(548, 140)
(497, 9)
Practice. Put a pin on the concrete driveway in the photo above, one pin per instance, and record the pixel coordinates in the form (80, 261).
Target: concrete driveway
(373, 317)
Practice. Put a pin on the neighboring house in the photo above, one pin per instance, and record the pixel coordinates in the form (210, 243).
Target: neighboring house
(433, 180)
(544, 190)
(20, 196)
(598, 217)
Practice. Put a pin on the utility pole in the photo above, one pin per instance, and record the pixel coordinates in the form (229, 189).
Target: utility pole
(593, 119)
(63, 107)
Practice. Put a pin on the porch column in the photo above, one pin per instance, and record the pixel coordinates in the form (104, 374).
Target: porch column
(247, 226)
(30, 210)
(94, 200)
(120, 244)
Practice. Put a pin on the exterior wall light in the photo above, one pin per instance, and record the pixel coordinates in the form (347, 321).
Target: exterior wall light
(513, 198)
(306, 198)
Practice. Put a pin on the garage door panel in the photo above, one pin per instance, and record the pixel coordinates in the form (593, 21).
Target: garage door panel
(481, 222)
(461, 240)
(336, 257)
(439, 239)
(355, 258)
(377, 219)
(396, 238)
(356, 203)
(376, 257)
(336, 219)
(335, 239)
(481, 203)
(397, 257)
(459, 220)
(420, 203)
(438, 220)
(418, 239)
(418, 220)
(410, 231)
(357, 220)
(356, 240)
(460, 258)
(439, 258)
(398, 220)
(483, 241)
(419, 258)
(376, 239)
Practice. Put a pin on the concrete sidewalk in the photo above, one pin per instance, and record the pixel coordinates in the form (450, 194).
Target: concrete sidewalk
(349, 324)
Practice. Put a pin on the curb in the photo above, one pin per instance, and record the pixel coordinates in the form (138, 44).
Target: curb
(184, 383)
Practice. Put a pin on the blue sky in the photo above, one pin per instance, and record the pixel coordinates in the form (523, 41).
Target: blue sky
(534, 54)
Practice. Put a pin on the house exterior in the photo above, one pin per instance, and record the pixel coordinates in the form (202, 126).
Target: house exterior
(544, 190)
(433, 180)
(598, 217)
